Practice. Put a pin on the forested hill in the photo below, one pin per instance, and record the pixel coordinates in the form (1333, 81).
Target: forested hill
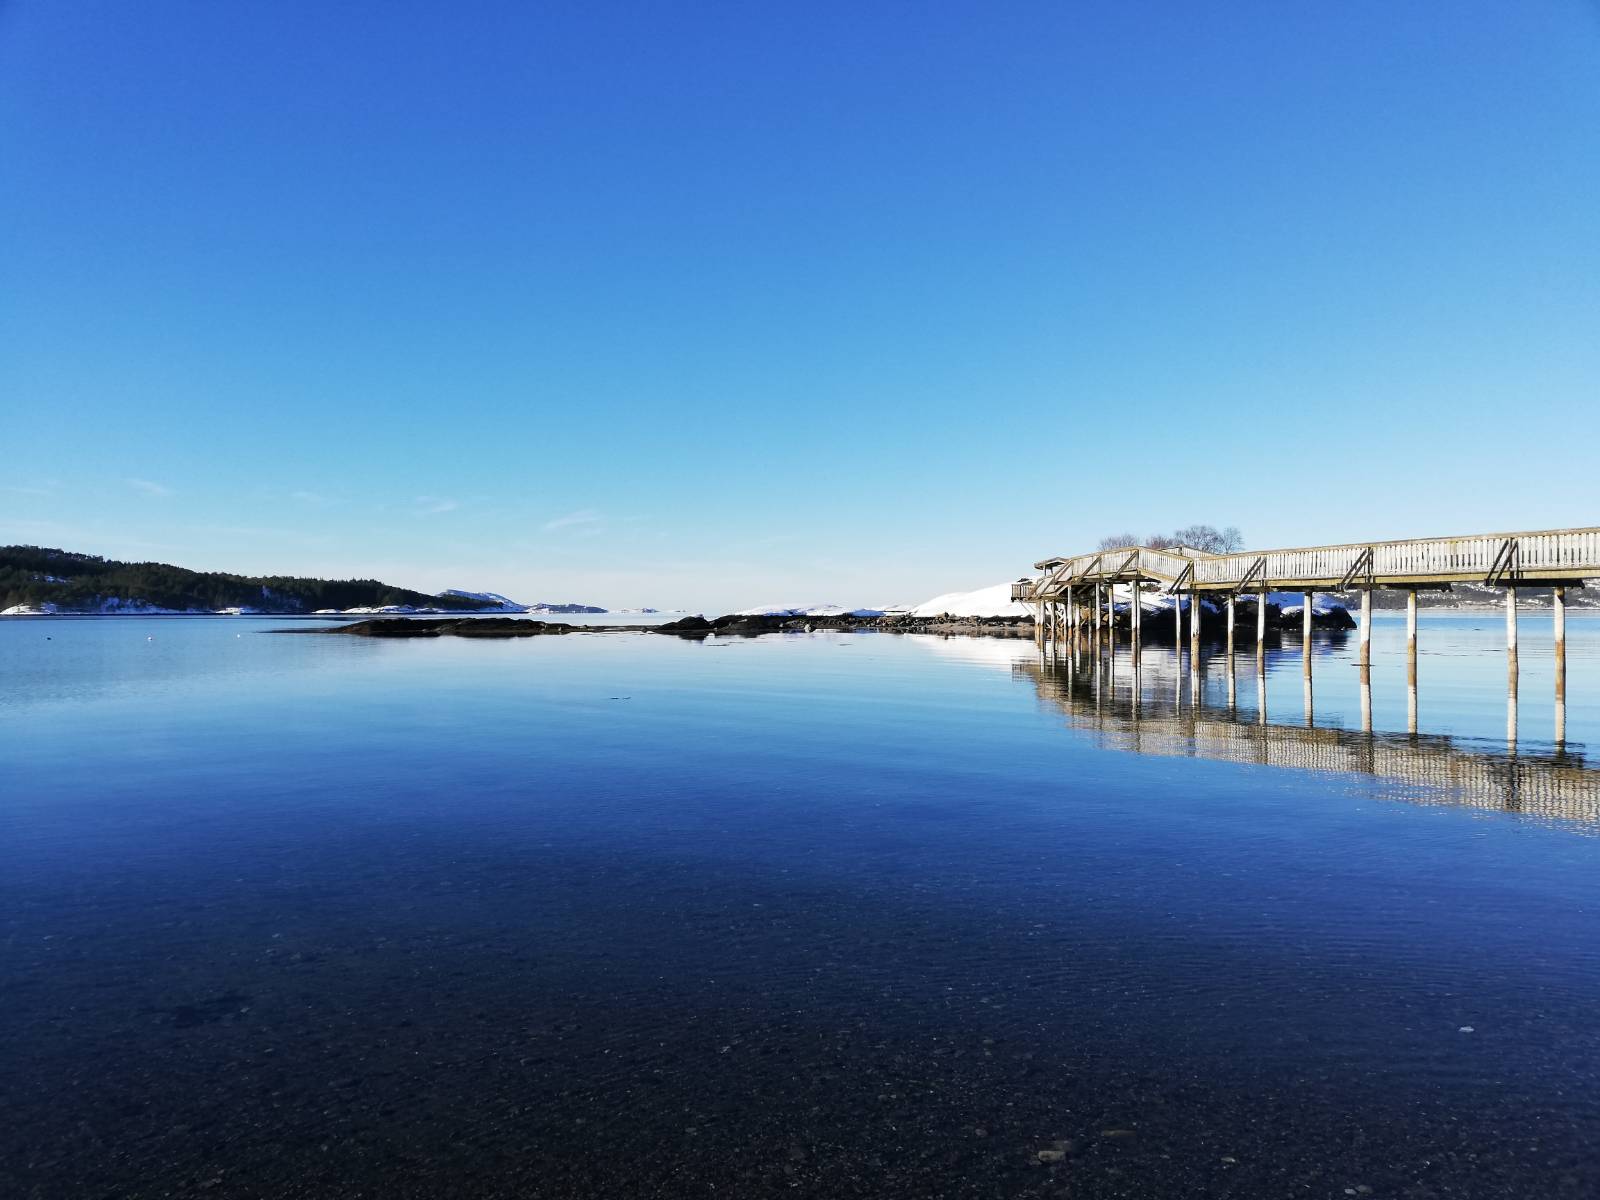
(37, 575)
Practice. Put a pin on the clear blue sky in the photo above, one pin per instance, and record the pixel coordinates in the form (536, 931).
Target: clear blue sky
(709, 305)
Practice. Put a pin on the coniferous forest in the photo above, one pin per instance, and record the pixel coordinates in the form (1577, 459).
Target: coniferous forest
(39, 575)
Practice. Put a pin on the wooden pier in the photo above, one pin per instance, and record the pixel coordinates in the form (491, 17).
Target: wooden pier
(1074, 597)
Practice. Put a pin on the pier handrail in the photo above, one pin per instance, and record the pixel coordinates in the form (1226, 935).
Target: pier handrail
(1543, 554)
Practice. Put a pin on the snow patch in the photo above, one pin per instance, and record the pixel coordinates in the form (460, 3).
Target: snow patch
(808, 610)
(994, 601)
(489, 599)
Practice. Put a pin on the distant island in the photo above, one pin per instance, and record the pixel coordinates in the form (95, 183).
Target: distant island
(40, 579)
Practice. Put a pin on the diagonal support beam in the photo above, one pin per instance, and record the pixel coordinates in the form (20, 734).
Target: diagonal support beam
(1362, 563)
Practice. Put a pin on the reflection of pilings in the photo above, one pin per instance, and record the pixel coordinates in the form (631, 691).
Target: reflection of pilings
(1177, 676)
(1261, 685)
(1411, 661)
(1559, 786)
(1511, 665)
(1560, 601)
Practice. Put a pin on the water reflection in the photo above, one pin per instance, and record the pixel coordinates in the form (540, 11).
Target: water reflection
(1142, 710)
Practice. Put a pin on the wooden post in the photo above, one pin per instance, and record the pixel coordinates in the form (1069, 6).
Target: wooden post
(1097, 615)
(1194, 626)
(1511, 666)
(1233, 686)
(1366, 627)
(1560, 616)
(1072, 614)
(1261, 654)
(1411, 661)
(1194, 647)
(1305, 650)
(1177, 626)
(1136, 615)
(1366, 660)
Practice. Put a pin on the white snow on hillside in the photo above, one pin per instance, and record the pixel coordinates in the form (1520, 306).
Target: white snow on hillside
(500, 602)
(992, 601)
(808, 610)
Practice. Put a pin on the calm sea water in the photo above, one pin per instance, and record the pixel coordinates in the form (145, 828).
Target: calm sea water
(805, 915)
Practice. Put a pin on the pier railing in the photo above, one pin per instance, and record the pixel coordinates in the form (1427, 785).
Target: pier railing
(1503, 559)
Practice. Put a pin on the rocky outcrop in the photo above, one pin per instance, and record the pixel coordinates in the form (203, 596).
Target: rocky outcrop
(409, 627)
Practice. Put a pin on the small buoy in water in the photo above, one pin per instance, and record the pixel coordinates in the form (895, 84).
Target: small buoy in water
(151, 638)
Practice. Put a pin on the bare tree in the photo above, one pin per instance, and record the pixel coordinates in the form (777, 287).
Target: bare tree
(1197, 537)
(1210, 539)
(1118, 541)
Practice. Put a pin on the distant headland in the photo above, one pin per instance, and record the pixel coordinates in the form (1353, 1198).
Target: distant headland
(39, 580)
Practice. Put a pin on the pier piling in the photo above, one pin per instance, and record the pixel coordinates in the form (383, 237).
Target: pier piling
(1194, 646)
(1305, 651)
(1136, 617)
(1559, 614)
(1411, 661)
(1511, 666)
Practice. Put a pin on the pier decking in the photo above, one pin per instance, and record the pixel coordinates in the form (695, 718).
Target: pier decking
(1073, 597)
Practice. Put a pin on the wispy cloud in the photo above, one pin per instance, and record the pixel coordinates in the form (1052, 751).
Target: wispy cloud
(585, 519)
(149, 488)
(19, 490)
(429, 506)
(308, 497)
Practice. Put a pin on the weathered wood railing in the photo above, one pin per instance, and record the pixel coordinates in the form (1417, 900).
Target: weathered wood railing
(1506, 559)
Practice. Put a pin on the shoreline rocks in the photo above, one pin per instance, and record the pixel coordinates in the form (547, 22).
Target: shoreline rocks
(1157, 627)
(405, 627)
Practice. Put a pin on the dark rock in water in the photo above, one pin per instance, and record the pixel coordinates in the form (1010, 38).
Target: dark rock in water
(684, 625)
(495, 627)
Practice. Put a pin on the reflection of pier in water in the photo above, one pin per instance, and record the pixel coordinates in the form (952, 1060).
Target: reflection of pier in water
(1143, 711)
